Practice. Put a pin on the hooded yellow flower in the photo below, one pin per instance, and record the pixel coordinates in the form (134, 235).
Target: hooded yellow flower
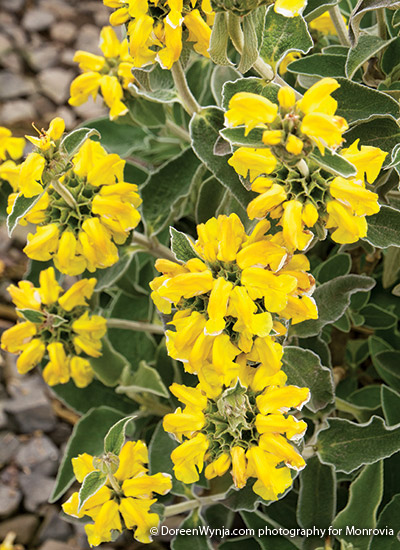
(11, 148)
(245, 430)
(111, 74)
(231, 300)
(57, 322)
(155, 28)
(130, 505)
(84, 234)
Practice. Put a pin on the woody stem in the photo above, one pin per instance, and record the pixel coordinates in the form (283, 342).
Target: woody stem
(339, 25)
(189, 102)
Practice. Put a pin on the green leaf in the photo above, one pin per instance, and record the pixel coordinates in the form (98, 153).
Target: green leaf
(318, 64)
(370, 104)
(236, 137)
(242, 499)
(332, 299)
(96, 394)
(368, 396)
(390, 405)
(317, 496)
(32, 315)
(192, 541)
(360, 512)
(182, 246)
(376, 317)
(391, 266)
(148, 114)
(209, 199)
(249, 52)
(387, 366)
(239, 543)
(144, 380)
(347, 445)
(221, 75)
(73, 141)
(367, 46)
(116, 137)
(204, 129)
(251, 85)
(108, 277)
(109, 366)
(160, 449)
(115, 437)
(382, 132)
(20, 208)
(283, 35)
(384, 227)
(363, 7)
(219, 40)
(90, 485)
(333, 163)
(315, 8)
(304, 369)
(165, 187)
(87, 437)
(155, 84)
(259, 523)
(388, 519)
(339, 264)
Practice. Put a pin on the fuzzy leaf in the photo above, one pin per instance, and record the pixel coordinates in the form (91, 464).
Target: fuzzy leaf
(20, 208)
(145, 379)
(347, 445)
(304, 369)
(362, 7)
(117, 137)
(73, 141)
(315, 8)
(101, 365)
(333, 298)
(390, 405)
(115, 437)
(192, 541)
(382, 132)
(318, 64)
(387, 365)
(90, 485)
(182, 246)
(219, 40)
(32, 315)
(333, 163)
(283, 35)
(364, 498)
(389, 518)
(384, 228)
(367, 46)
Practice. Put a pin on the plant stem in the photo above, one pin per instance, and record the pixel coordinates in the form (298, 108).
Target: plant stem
(189, 102)
(135, 325)
(380, 17)
(150, 405)
(155, 248)
(64, 193)
(188, 505)
(178, 130)
(339, 25)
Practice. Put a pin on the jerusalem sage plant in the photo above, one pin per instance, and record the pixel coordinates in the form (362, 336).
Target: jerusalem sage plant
(229, 337)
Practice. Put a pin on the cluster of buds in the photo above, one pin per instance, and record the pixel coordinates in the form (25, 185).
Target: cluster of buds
(157, 29)
(84, 207)
(58, 324)
(292, 186)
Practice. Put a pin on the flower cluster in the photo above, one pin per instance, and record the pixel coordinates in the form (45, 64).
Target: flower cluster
(83, 214)
(298, 194)
(231, 300)
(58, 323)
(11, 150)
(244, 430)
(124, 500)
(157, 28)
(110, 74)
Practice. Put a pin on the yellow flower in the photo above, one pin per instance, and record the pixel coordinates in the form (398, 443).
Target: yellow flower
(130, 506)
(85, 234)
(250, 110)
(111, 74)
(289, 8)
(10, 147)
(218, 440)
(353, 194)
(9, 171)
(155, 28)
(293, 226)
(350, 228)
(49, 138)
(323, 23)
(228, 299)
(252, 163)
(368, 160)
(30, 175)
(291, 56)
(63, 328)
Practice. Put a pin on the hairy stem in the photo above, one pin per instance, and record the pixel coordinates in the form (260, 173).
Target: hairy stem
(135, 325)
(339, 25)
(189, 102)
(178, 130)
(154, 248)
